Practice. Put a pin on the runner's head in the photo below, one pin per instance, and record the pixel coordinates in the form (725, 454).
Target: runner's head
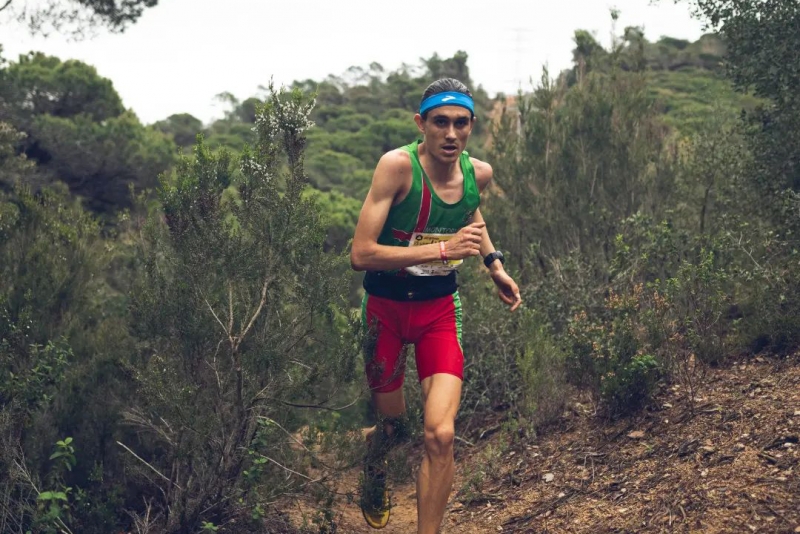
(446, 117)
(443, 91)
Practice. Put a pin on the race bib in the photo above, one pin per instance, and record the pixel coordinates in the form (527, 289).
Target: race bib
(434, 268)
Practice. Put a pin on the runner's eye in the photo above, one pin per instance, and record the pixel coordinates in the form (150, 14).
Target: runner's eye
(462, 123)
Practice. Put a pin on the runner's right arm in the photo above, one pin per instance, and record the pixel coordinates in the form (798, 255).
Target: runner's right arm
(394, 170)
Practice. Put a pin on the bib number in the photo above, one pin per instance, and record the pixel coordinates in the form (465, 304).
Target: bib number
(434, 268)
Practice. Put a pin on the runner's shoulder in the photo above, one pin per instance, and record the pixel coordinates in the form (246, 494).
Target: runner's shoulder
(394, 166)
(483, 172)
(397, 160)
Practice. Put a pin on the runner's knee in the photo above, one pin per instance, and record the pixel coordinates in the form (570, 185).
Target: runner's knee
(439, 439)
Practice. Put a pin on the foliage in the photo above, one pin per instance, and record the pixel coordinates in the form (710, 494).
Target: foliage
(543, 372)
(182, 127)
(38, 84)
(514, 362)
(691, 99)
(610, 355)
(762, 41)
(53, 506)
(49, 318)
(632, 51)
(685, 78)
(236, 309)
(101, 161)
(707, 53)
(79, 133)
(574, 163)
(13, 165)
(619, 228)
(486, 468)
(46, 249)
(619, 351)
(340, 214)
(77, 17)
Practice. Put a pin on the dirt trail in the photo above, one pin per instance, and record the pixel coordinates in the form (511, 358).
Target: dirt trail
(730, 465)
(404, 511)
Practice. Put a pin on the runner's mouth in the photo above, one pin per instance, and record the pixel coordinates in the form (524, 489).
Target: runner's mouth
(450, 148)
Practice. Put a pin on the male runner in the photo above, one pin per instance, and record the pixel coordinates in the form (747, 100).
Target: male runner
(420, 220)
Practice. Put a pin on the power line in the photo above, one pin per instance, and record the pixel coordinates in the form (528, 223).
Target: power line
(519, 33)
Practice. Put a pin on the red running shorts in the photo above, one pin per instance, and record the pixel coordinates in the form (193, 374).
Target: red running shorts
(432, 326)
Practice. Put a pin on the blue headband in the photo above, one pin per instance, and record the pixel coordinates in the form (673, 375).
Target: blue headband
(450, 98)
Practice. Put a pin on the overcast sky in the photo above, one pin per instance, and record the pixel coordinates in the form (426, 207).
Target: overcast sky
(183, 52)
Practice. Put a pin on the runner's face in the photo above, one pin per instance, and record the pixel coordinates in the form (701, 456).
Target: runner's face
(446, 131)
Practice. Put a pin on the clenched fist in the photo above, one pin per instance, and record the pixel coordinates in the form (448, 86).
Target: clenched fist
(466, 243)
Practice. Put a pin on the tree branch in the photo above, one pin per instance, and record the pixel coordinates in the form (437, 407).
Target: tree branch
(263, 301)
(230, 307)
(8, 3)
(290, 470)
(274, 422)
(318, 406)
(133, 417)
(227, 332)
(156, 471)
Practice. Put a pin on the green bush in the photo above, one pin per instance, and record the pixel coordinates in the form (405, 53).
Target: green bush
(239, 314)
(700, 296)
(608, 355)
(513, 362)
(630, 386)
(541, 364)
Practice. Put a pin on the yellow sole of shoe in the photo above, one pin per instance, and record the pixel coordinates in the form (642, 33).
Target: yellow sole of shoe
(379, 519)
(376, 521)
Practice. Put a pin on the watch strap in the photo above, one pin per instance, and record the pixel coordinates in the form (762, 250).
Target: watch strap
(491, 257)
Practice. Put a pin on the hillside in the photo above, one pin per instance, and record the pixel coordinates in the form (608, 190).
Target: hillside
(691, 96)
(731, 466)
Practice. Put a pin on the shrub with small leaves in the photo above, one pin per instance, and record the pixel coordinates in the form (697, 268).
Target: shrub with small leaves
(240, 314)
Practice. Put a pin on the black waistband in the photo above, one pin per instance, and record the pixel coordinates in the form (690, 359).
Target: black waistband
(394, 287)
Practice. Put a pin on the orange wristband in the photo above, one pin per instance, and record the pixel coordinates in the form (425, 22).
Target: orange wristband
(442, 252)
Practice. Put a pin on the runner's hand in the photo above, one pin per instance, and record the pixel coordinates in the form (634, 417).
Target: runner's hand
(466, 243)
(507, 289)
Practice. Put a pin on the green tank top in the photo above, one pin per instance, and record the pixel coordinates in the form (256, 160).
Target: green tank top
(423, 218)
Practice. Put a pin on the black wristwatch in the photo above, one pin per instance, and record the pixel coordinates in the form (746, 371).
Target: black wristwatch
(496, 255)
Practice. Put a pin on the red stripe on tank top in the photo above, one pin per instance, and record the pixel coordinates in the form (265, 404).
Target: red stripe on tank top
(423, 215)
(424, 208)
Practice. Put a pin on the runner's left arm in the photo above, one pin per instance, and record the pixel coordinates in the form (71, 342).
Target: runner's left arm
(507, 288)
(486, 242)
